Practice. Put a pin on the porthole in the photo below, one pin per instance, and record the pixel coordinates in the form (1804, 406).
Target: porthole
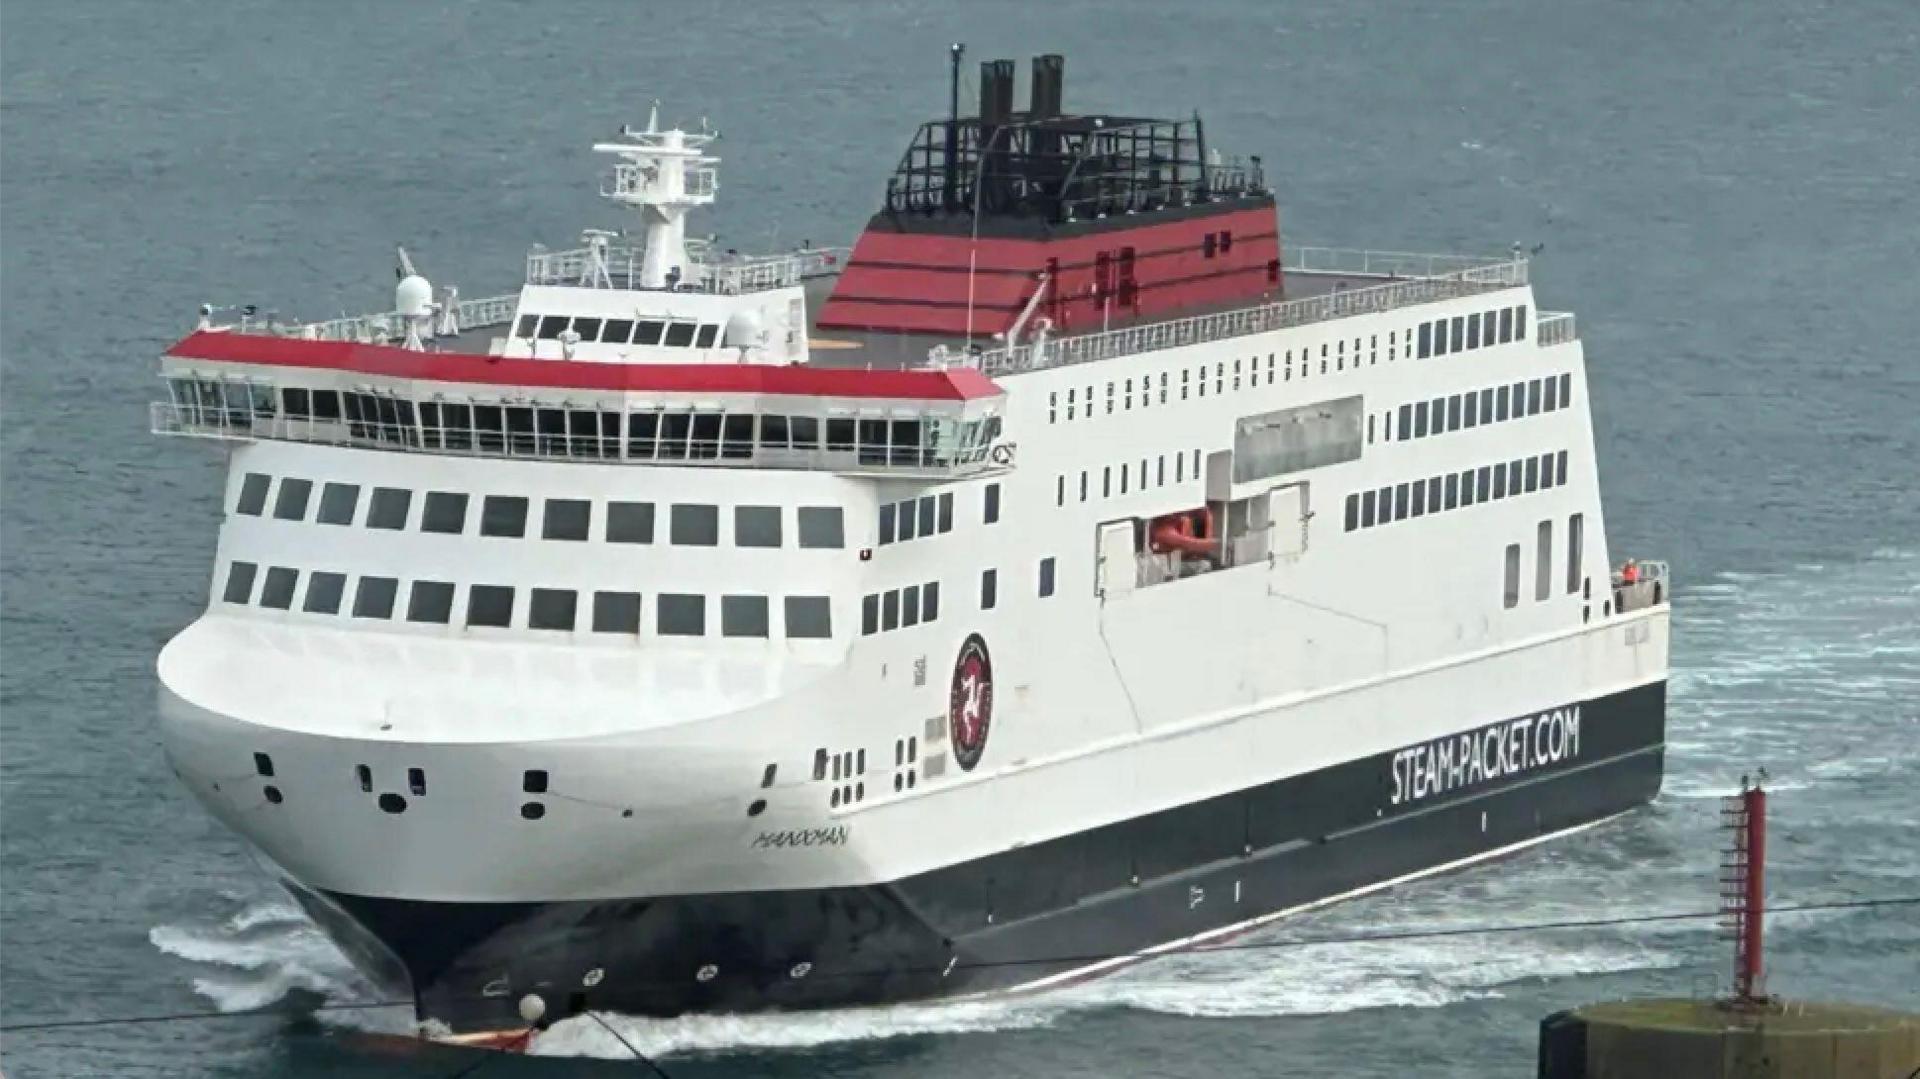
(758, 807)
(533, 810)
(393, 803)
(274, 795)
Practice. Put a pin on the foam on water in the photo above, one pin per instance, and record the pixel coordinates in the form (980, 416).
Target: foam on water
(260, 953)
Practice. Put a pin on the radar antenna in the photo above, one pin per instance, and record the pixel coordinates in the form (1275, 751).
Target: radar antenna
(663, 174)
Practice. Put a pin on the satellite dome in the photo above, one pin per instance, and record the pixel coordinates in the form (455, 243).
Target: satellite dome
(413, 297)
(744, 330)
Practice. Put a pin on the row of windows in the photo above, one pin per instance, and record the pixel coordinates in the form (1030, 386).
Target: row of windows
(1155, 476)
(450, 513)
(498, 606)
(897, 608)
(1480, 329)
(1121, 394)
(533, 431)
(915, 518)
(1456, 490)
(620, 331)
(1492, 404)
(1543, 562)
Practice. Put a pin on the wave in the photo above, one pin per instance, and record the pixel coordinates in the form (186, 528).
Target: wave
(258, 955)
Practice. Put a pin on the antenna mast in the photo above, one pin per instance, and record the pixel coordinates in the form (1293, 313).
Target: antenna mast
(663, 174)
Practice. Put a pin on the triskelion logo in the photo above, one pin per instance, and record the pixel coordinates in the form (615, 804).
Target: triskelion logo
(970, 704)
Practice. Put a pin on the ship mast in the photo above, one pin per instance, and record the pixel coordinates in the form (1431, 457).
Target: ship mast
(663, 174)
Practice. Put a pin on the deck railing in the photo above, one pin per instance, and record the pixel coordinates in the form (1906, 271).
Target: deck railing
(1392, 293)
(383, 328)
(725, 274)
(1554, 328)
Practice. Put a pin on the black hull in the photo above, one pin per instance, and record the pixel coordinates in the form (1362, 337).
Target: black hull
(1010, 918)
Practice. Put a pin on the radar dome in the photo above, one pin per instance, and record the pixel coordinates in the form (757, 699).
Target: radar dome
(413, 297)
(744, 330)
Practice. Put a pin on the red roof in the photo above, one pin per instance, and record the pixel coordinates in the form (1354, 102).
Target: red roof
(386, 361)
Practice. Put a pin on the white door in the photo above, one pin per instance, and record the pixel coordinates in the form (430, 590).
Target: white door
(1118, 574)
(1289, 519)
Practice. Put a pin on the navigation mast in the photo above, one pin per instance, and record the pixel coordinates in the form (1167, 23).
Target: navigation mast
(663, 174)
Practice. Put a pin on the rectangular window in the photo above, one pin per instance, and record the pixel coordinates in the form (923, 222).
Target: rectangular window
(1566, 391)
(992, 511)
(1500, 404)
(1499, 481)
(253, 494)
(1353, 512)
(1420, 420)
(1533, 474)
(1513, 477)
(566, 519)
(809, 617)
(1553, 395)
(324, 591)
(337, 503)
(1576, 537)
(1533, 398)
(1046, 577)
(430, 601)
(820, 527)
(1560, 468)
(1419, 498)
(929, 516)
(930, 601)
(989, 589)
(277, 592)
(1486, 405)
(291, 503)
(616, 612)
(629, 522)
(1402, 502)
(743, 616)
(681, 615)
(1368, 504)
(490, 605)
(890, 609)
(1106, 481)
(1124, 470)
(1426, 340)
(1520, 323)
(908, 520)
(1466, 487)
(887, 513)
(374, 596)
(1470, 414)
(695, 525)
(679, 334)
(1546, 471)
(239, 582)
(1473, 330)
(648, 332)
(870, 615)
(910, 605)
(1543, 562)
(617, 331)
(1405, 426)
(503, 515)
(445, 512)
(709, 333)
(1510, 595)
(1459, 334)
(756, 526)
(1484, 484)
(945, 503)
(1506, 325)
(1453, 490)
(1433, 495)
(1453, 413)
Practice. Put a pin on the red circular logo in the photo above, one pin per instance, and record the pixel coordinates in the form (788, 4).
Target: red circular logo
(970, 703)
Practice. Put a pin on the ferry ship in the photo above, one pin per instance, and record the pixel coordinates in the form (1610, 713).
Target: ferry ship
(1065, 573)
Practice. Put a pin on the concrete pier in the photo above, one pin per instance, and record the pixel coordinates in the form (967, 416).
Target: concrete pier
(1705, 1039)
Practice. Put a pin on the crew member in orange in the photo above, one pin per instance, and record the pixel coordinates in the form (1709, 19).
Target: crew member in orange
(1630, 573)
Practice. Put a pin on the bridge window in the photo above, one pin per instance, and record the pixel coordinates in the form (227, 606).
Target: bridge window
(253, 494)
(648, 332)
(629, 522)
(323, 592)
(430, 601)
(756, 526)
(278, 591)
(617, 331)
(679, 334)
(552, 326)
(337, 503)
(709, 333)
(374, 597)
(616, 612)
(681, 615)
(445, 512)
(566, 519)
(240, 582)
(553, 608)
(503, 515)
(291, 503)
(743, 616)
(490, 605)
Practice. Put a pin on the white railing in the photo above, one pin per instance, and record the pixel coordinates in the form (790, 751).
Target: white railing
(382, 328)
(722, 273)
(1554, 328)
(1361, 263)
(1341, 303)
(636, 180)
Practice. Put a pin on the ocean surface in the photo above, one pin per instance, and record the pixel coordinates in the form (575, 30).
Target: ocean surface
(1727, 194)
